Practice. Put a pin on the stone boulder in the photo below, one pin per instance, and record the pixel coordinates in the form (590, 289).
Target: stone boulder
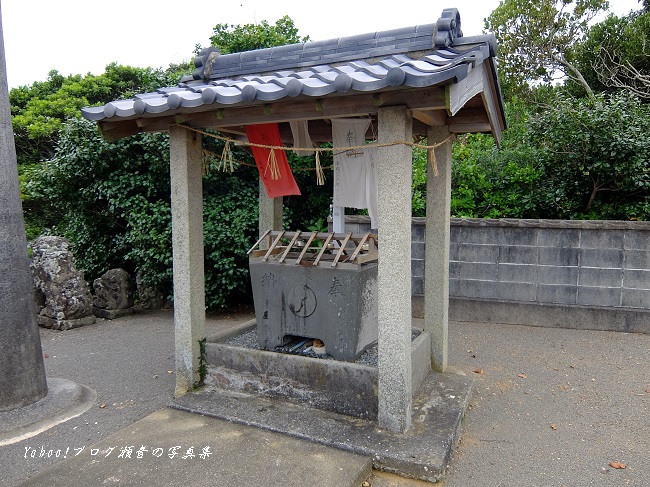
(149, 297)
(62, 295)
(113, 294)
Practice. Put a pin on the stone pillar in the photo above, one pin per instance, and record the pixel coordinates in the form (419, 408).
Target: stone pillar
(22, 376)
(338, 219)
(436, 263)
(187, 240)
(394, 271)
(270, 213)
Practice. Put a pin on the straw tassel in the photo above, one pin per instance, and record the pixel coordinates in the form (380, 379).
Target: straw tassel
(206, 163)
(272, 162)
(320, 175)
(226, 158)
(434, 161)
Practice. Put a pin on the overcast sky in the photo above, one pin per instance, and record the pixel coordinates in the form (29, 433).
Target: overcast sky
(83, 36)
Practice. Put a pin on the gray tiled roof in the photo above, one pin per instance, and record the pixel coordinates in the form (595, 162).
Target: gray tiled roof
(419, 56)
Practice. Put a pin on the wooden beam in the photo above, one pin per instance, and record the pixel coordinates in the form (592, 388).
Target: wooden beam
(270, 250)
(115, 131)
(470, 115)
(306, 247)
(289, 247)
(239, 132)
(323, 249)
(341, 249)
(432, 118)
(470, 128)
(432, 98)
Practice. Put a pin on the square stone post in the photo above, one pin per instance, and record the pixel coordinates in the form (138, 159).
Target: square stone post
(187, 240)
(338, 219)
(270, 213)
(394, 271)
(436, 263)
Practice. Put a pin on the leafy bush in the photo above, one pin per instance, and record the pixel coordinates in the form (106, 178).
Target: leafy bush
(113, 202)
(419, 182)
(595, 155)
(230, 226)
(301, 212)
(492, 183)
(489, 181)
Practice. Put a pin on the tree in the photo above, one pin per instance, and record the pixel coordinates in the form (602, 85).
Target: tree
(39, 110)
(299, 211)
(248, 37)
(616, 54)
(314, 204)
(113, 200)
(537, 38)
(595, 154)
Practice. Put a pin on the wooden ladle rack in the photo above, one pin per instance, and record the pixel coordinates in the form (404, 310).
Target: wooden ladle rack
(316, 248)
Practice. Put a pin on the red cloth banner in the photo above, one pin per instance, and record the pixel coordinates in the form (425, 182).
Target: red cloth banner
(274, 171)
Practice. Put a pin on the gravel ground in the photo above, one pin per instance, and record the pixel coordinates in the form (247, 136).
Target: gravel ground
(551, 407)
(129, 362)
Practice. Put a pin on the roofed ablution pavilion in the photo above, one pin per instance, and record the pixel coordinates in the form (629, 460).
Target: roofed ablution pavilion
(426, 81)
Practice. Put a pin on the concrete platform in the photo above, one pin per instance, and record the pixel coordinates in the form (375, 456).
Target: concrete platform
(238, 456)
(422, 453)
(333, 385)
(65, 400)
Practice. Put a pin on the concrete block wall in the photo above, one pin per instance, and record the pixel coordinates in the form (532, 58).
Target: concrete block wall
(584, 263)
(530, 270)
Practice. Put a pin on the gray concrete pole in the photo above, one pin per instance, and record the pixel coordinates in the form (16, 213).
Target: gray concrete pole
(270, 213)
(338, 219)
(436, 267)
(187, 240)
(394, 271)
(22, 372)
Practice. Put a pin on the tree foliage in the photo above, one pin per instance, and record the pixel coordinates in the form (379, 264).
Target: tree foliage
(595, 156)
(248, 37)
(537, 38)
(113, 202)
(562, 156)
(588, 153)
(615, 55)
(573, 158)
(299, 211)
(38, 110)
(497, 182)
(302, 212)
(106, 195)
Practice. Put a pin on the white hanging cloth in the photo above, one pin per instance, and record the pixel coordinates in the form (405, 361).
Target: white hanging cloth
(301, 138)
(355, 171)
